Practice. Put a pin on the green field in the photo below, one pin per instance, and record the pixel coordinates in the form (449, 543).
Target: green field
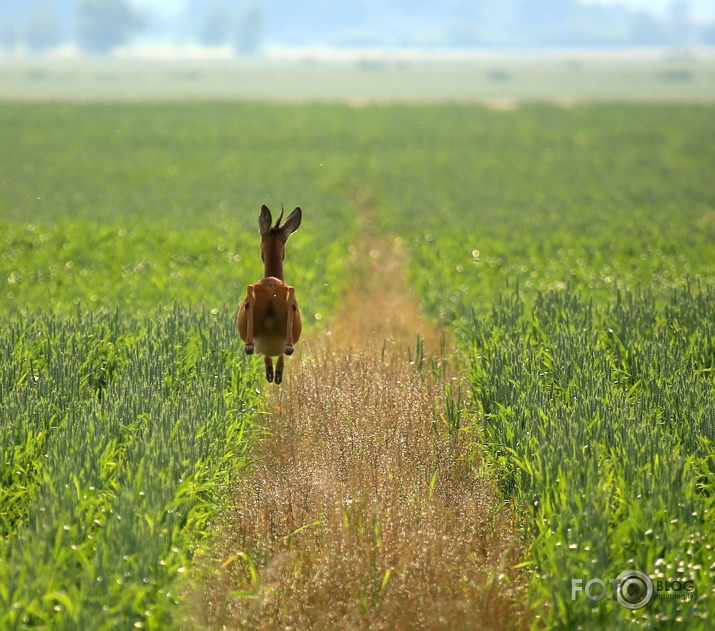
(498, 78)
(570, 249)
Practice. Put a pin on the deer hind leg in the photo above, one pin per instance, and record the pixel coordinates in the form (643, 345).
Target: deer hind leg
(292, 308)
(279, 370)
(269, 370)
(250, 306)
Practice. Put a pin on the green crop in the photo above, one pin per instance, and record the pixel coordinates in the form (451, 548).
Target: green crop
(137, 206)
(601, 420)
(120, 437)
(591, 198)
(570, 247)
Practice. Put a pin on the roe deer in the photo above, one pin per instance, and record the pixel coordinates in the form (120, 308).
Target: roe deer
(269, 318)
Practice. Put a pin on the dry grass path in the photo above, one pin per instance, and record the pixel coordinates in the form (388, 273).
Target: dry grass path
(362, 511)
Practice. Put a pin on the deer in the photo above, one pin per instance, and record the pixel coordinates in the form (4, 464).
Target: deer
(269, 318)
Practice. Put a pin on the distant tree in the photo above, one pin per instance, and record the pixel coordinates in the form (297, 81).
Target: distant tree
(42, 30)
(105, 24)
(647, 30)
(679, 11)
(680, 25)
(215, 28)
(249, 30)
(8, 35)
(544, 11)
(708, 34)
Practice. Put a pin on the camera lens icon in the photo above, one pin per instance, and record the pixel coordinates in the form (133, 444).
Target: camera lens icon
(634, 589)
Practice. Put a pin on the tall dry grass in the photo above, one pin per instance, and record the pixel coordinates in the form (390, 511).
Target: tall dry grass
(363, 511)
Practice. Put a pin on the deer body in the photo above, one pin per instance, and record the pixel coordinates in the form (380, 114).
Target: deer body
(269, 318)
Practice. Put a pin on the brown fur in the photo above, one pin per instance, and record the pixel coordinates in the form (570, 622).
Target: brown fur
(269, 319)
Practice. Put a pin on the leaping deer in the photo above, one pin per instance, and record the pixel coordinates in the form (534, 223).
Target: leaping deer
(269, 318)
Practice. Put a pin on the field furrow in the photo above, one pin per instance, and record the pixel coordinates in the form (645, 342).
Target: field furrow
(367, 506)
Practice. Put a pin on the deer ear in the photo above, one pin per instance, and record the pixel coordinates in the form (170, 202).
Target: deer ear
(264, 220)
(293, 222)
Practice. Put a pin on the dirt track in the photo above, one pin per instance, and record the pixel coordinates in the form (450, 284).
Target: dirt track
(362, 510)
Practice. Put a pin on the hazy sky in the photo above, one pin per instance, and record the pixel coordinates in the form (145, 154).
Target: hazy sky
(699, 8)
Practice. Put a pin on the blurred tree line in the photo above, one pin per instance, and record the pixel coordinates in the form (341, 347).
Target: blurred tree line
(97, 26)
(219, 23)
(100, 26)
